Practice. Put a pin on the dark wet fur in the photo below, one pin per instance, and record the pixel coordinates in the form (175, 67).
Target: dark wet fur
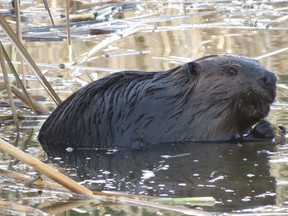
(210, 99)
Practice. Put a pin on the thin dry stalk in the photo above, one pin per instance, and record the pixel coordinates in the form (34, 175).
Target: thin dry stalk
(19, 35)
(8, 208)
(68, 23)
(49, 12)
(178, 209)
(18, 19)
(30, 62)
(81, 17)
(58, 208)
(105, 43)
(28, 100)
(54, 186)
(24, 179)
(8, 87)
(44, 169)
(38, 108)
(271, 53)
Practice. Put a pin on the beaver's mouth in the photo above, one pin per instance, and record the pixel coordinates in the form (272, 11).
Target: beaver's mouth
(255, 106)
(259, 107)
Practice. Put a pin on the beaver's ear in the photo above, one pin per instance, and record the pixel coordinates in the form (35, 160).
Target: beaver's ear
(193, 68)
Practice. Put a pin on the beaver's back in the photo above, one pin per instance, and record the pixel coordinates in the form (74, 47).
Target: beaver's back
(108, 112)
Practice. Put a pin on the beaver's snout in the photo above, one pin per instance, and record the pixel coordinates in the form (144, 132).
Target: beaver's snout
(268, 78)
(268, 81)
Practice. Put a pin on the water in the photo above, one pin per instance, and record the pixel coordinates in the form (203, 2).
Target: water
(236, 175)
(243, 177)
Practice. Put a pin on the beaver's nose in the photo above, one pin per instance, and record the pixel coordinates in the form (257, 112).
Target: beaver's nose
(268, 78)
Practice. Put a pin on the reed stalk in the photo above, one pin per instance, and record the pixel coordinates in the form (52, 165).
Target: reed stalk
(44, 169)
(49, 12)
(38, 108)
(9, 208)
(8, 87)
(18, 19)
(68, 23)
(19, 36)
(26, 95)
(29, 61)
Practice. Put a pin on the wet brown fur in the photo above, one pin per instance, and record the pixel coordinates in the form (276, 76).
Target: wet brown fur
(210, 99)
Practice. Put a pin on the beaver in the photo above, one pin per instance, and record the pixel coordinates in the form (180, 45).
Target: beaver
(214, 98)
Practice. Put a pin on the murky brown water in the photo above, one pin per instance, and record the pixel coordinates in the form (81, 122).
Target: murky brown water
(242, 178)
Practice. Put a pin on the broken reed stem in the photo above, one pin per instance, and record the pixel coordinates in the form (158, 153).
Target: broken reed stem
(59, 208)
(38, 108)
(105, 43)
(44, 169)
(8, 87)
(24, 179)
(138, 200)
(30, 62)
(271, 53)
(54, 186)
(28, 100)
(9, 208)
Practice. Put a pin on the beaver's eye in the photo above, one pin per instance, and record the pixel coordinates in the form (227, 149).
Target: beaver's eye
(232, 71)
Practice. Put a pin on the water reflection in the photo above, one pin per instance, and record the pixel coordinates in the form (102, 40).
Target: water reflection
(236, 175)
(278, 169)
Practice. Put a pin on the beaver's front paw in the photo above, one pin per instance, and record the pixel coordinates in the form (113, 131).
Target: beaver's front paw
(263, 130)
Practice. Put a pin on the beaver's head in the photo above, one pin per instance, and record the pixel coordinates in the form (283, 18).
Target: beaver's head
(241, 82)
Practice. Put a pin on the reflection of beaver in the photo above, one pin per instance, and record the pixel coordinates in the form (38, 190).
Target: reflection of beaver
(214, 98)
(208, 170)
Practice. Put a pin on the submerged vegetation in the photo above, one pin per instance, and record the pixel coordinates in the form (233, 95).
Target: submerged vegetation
(49, 49)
